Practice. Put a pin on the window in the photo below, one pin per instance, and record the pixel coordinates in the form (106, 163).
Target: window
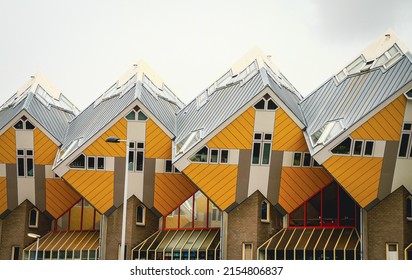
(224, 156)
(25, 163)
(306, 160)
(368, 148)
(214, 156)
(409, 208)
(201, 155)
(343, 148)
(388, 58)
(136, 115)
(168, 166)
(327, 132)
(247, 251)
(357, 148)
(82, 216)
(207, 155)
(266, 103)
(265, 212)
(33, 218)
(100, 163)
(24, 124)
(90, 162)
(391, 251)
(140, 215)
(262, 146)
(136, 156)
(15, 253)
(79, 162)
(405, 147)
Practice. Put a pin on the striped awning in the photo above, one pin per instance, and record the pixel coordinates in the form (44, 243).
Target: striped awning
(312, 243)
(66, 245)
(180, 245)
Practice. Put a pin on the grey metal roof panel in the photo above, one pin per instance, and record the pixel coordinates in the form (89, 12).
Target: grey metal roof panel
(356, 96)
(222, 104)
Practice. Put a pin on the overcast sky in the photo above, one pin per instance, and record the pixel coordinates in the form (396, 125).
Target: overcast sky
(84, 46)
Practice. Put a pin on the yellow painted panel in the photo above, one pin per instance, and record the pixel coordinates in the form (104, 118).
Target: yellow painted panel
(97, 187)
(158, 144)
(3, 195)
(59, 197)
(287, 134)
(171, 190)
(358, 175)
(101, 148)
(238, 134)
(299, 183)
(218, 182)
(8, 146)
(44, 149)
(386, 124)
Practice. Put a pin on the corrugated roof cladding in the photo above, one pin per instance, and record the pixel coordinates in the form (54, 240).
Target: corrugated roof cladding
(356, 96)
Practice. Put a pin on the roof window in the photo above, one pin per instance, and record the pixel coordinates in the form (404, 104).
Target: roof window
(327, 132)
(188, 141)
(388, 58)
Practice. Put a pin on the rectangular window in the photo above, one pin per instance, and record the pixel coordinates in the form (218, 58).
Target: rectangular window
(392, 251)
(247, 251)
(266, 153)
(262, 147)
(403, 147)
(297, 157)
(100, 163)
(256, 153)
(140, 215)
(357, 148)
(131, 161)
(224, 156)
(307, 159)
(139, 160)
(409, 207)
(214, 154)
(25, 163)
(368, 148)
(15, 253)
(90, 163)
(168, 166)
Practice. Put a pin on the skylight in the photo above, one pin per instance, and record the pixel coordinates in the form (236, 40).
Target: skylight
(327, 132)
(354, 67)
(67, 151)
(389, 57)
(188, 141)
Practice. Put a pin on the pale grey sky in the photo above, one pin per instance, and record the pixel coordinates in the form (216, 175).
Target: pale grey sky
(85, 46)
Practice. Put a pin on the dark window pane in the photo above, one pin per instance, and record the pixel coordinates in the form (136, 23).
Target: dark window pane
(224, 156)
(62, 255)
(403, 149)
(296, 159)
(141, 116)
(266, 153)
(20, 152)
(347, 209)
(330, 206)
(296, 218)
(140, 145)
(357, 149)
(407, 126)
(272, 105)
(264, 211)
(201, 155)
(139, 214)
(256, 153)
(368, 148)
(84, 254)
(257, 136)
(214, 155)
(20, 166)
(78, 162)
(18, 125)
(260, 105)
(343, 148)
(33, 218)
(306, 159)
(92, 254)
(100, 163)
(139, 161)
(90, 163)
(131, 145)
(268, 136)
(168, 166)
(16, 253)
(29, 152)
(130, 161)
(69, 255)
(54, 255)
(313, 211)
(131, 116)
(29, 125)
(315, 163)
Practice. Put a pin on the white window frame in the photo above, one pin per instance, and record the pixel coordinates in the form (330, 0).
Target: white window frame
(36, 225)
(210, 156)
(24, 124)
(143, 222)
(409, 144)
(79, 168)
(244, 244)
(364, 148)
(262, 143)
(135, 150)
(303, 160)
(25, 157)
(265, 106)
(409, 211)
(267, 220)
(136, 115)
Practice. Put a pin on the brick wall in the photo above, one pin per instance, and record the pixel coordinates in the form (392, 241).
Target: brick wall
(134, 233)
(386, 223)
(15, 228)
(245, 226)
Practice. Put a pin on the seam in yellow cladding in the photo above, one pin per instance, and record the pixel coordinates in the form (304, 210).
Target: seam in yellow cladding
(101, 148)
(218, 182)
(299, 184)
(158, 144)
(358, 175)
(44, 149)
(386, 124)
(3, 195)
(287, 134)
(238, 134)
(8, 146)
(97, 187)
(59, 197)
(171, 190)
